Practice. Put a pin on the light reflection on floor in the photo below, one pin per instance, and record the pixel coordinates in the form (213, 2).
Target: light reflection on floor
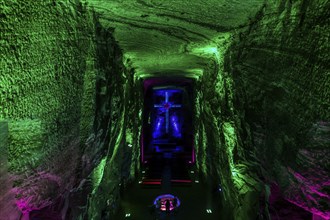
(162, 200)
(194, 200)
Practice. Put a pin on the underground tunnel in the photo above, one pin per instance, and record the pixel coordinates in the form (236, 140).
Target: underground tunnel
(144, 109)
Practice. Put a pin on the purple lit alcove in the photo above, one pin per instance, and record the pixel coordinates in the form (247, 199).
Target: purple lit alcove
(168, 119)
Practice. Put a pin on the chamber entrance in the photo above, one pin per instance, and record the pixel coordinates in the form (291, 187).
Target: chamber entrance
(167, 125)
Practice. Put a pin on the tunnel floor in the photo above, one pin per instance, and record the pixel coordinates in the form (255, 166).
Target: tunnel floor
(195, 197)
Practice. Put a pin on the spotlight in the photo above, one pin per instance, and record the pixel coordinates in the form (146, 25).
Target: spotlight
(196, 181)
(209, 211)
(128, 215)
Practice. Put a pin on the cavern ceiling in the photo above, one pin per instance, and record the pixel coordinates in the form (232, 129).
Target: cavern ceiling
(172, 36)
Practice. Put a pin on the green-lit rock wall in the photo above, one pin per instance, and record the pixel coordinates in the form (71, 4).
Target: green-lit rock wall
(70, 107)
(66, 97)
(280, 67)
(45, 53)
(262, 111)
(114, 146)
(220, 148)
(44, 50)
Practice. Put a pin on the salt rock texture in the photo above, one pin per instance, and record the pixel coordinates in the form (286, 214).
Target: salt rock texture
(71, 101)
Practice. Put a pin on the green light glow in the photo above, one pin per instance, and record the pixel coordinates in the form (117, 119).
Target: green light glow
(203, 158)
(217, 48)
(230, 142)
(25, 144)
(196, 73)
(97, 174)
(197, 143)
(230, 139)
(193, 73)
(129, 136)
(242, 181)
(207, 51)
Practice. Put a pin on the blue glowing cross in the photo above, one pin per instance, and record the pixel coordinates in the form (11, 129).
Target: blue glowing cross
(167, 107)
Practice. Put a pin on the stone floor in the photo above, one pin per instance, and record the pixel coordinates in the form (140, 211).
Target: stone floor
(195, 198)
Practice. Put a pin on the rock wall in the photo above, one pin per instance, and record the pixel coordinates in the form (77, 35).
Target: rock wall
(114, 145)
(280, 67)
(67, 98)
(45, 51)
(70, 110)
(262, 114)
(220, 147)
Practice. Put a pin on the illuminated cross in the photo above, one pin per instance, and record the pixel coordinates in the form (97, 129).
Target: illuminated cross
(167, 107)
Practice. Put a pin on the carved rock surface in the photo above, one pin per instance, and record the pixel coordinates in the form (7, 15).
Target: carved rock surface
(71, 100)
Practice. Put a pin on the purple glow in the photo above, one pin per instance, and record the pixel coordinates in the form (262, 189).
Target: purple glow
(30, 195)
(159, 123)
(157, 132)
(152, 182)
(310, 187)
(166, 106)
(24, 206)
(163, 199)
(174, 120)
(193, 155)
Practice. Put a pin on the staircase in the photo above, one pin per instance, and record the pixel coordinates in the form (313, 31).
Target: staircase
(164, 171)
